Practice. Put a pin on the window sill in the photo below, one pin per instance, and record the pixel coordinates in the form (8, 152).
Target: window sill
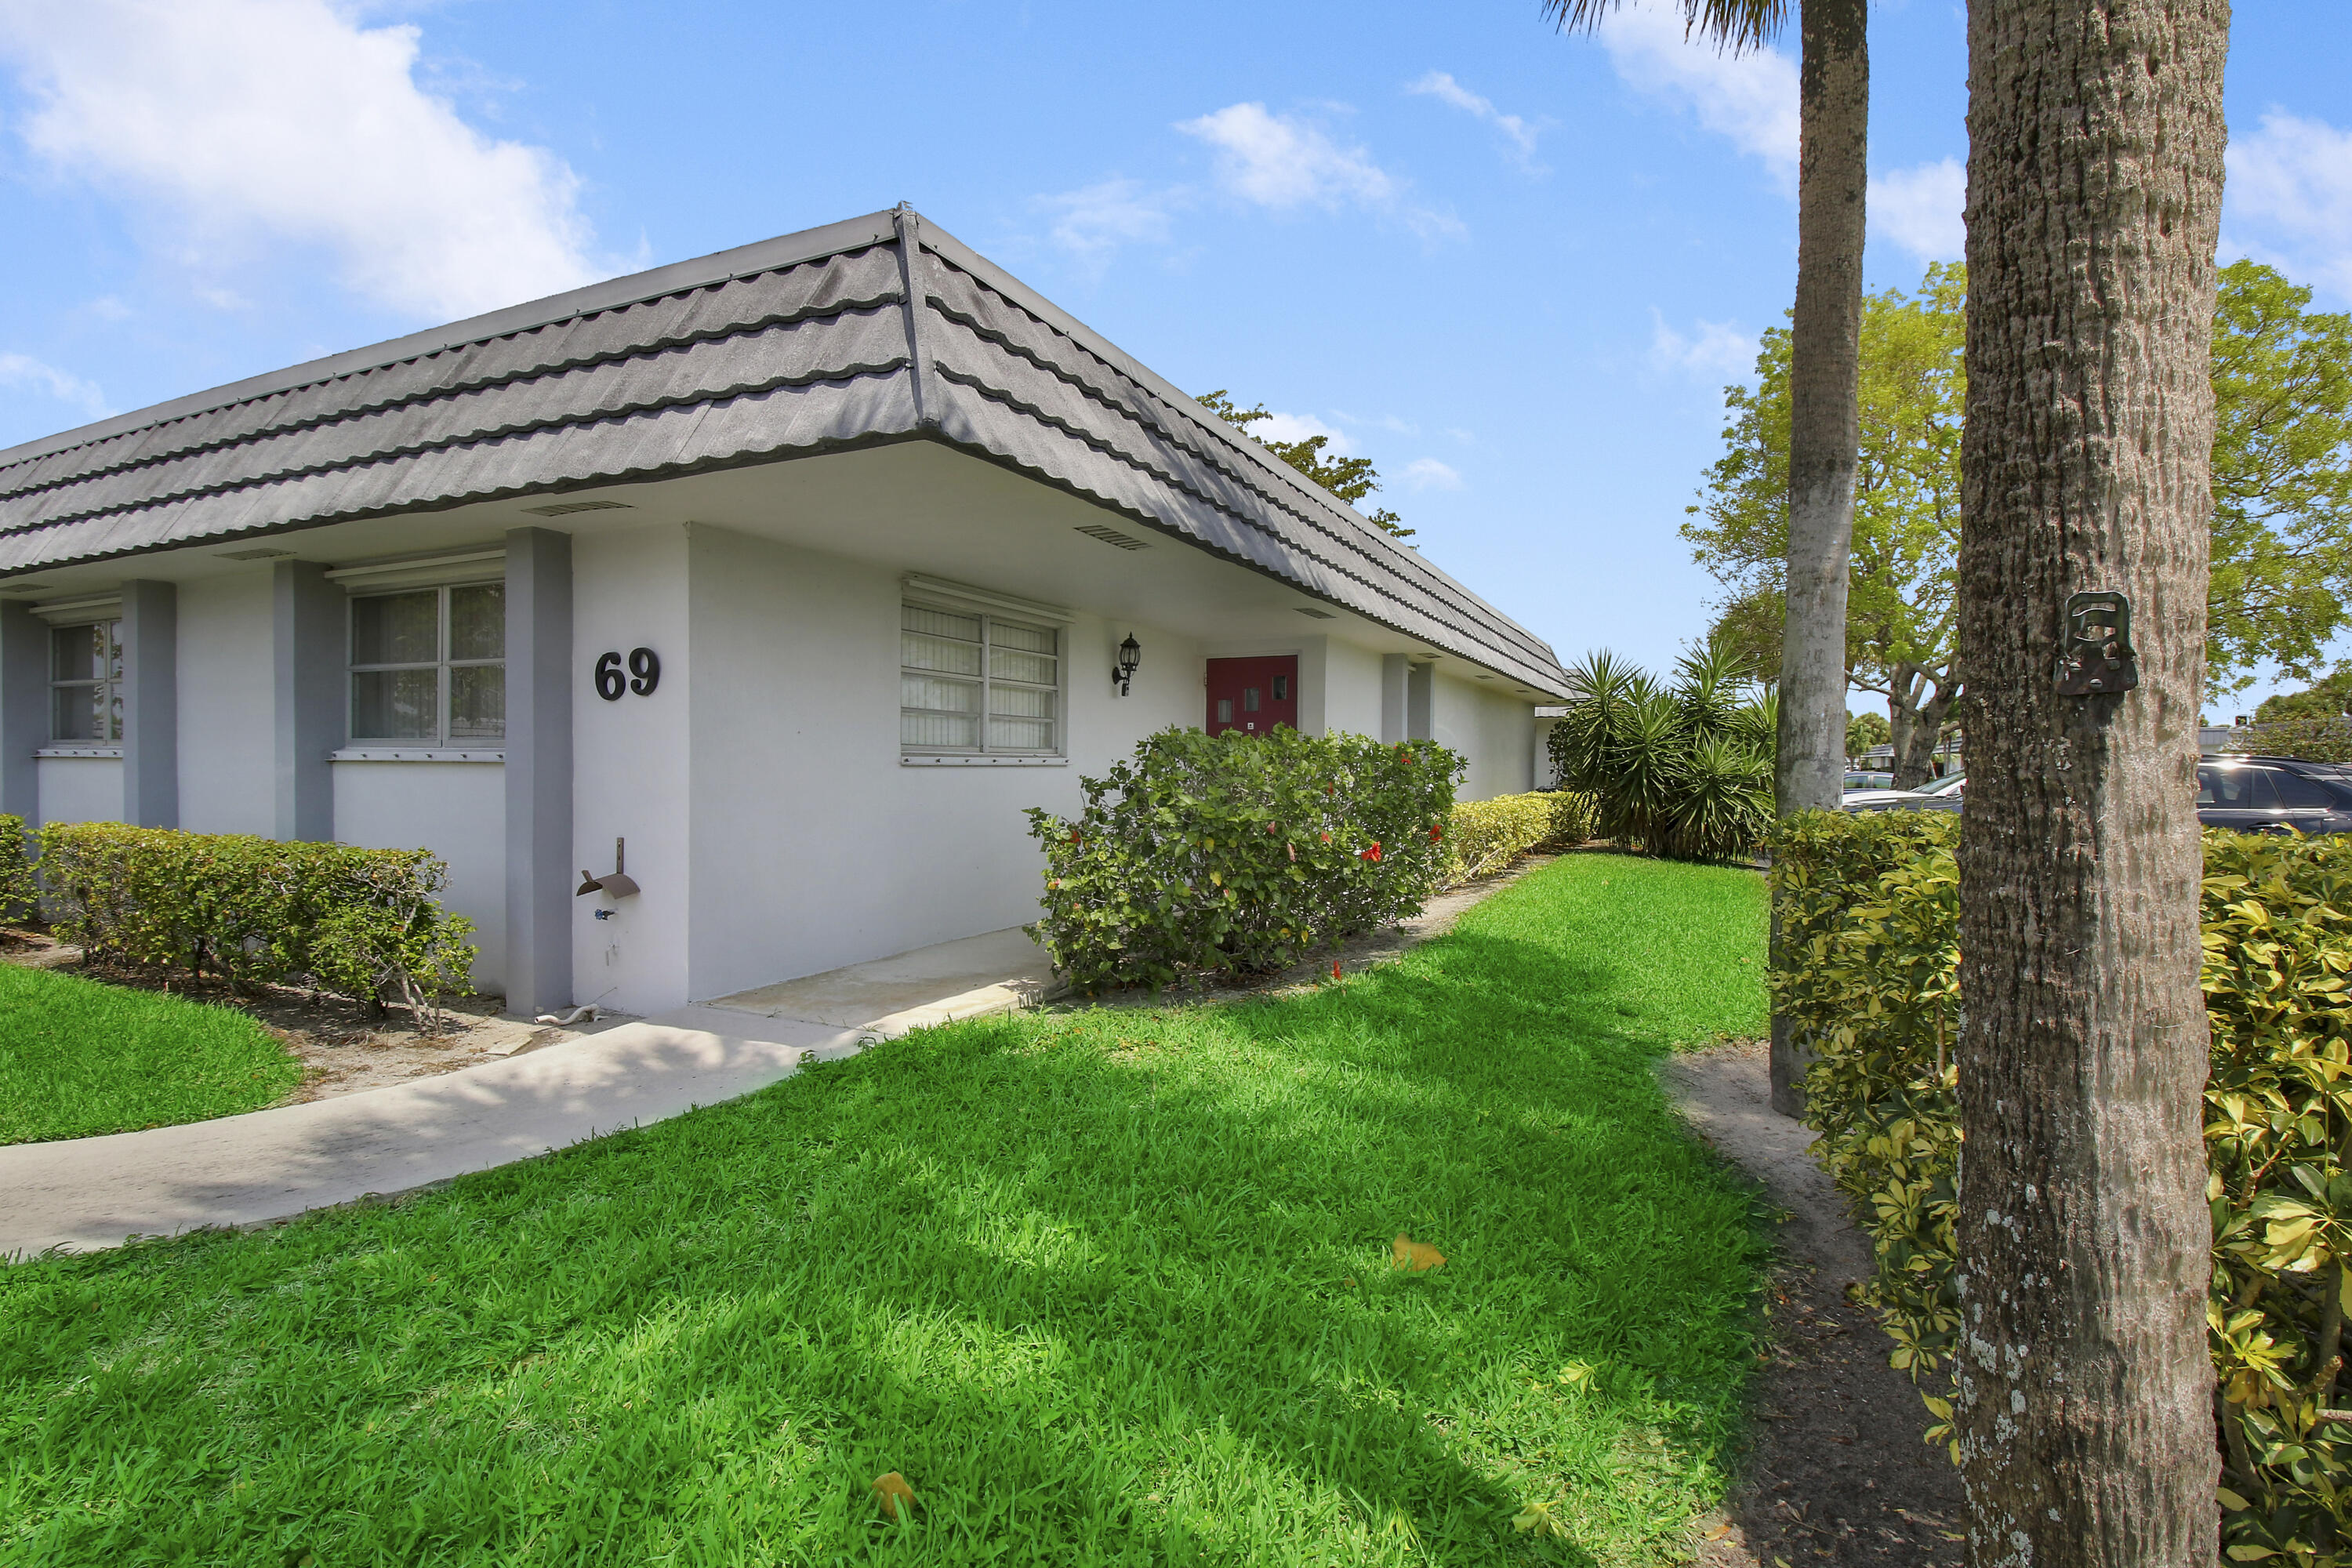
(416, 755)
(73, 751)
(961, 761)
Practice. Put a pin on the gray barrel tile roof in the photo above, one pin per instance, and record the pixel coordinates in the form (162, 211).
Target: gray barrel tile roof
(797, 346)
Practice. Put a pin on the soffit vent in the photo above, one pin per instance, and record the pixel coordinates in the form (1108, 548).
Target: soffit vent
(1314, 615)
(1112, 536)
(256, 554)
(569, 508)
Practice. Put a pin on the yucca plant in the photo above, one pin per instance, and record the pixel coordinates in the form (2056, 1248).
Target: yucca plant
(1683, 770)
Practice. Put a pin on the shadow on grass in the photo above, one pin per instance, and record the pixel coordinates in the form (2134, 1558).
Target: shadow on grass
(1107, 1286)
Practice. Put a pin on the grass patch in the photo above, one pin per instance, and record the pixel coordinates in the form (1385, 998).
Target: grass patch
(79, 1057)
(1107, 1287)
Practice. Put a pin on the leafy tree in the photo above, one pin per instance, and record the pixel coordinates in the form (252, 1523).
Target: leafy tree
(2085, 1410)
(1863, 731)
(2282, 477)
(1906, 513)
(2327, 699)
(2282, 537)
(1349, 479)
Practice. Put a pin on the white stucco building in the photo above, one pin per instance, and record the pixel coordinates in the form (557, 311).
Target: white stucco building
(802, 568)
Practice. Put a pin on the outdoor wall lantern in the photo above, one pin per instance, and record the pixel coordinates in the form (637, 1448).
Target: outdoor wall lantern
(1131, 654)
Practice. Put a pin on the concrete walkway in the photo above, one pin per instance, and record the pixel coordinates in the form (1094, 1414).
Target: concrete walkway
(88, 1194)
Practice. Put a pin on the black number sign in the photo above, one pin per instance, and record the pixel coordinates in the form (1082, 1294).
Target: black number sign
(609, 684)
(643, 675)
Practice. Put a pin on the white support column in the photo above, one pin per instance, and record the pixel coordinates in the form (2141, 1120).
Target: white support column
(1393, 698)
(1421, 702)
(308, 618)
(24, 709)
(538, 770)
(151, 704)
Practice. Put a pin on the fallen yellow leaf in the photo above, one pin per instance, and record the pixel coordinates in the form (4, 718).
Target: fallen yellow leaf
(1417, 1256)
(1536, 1516)
(893, 1491)
(1718, 1532)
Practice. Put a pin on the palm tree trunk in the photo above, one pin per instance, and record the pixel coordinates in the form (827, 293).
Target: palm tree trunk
(2095, 190)
(1824, 435)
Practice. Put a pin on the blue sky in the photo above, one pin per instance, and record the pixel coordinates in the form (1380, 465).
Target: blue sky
(1512, 267)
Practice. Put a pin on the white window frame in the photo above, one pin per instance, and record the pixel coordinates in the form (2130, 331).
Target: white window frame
(384, 585)
(991, 609)
(102, 686)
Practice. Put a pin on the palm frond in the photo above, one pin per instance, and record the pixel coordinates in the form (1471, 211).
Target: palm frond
(1734, 25)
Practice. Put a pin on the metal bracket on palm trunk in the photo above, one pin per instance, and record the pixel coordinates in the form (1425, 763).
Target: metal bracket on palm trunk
(2098, 659)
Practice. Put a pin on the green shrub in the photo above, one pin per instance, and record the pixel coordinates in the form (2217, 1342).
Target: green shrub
(1238, 853)
(1867, 967)
(1482, 836)
(17, 885)
(1684, 771)
(362, 923)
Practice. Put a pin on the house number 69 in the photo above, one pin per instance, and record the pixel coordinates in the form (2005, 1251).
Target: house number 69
(644, 674)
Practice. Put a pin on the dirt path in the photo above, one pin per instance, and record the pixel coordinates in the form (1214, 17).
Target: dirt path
(1837, 1474)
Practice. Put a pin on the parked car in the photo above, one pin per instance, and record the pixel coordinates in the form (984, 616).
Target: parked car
(2271, 794)
(1936, 794)
(1854, 781)
(2251, 794)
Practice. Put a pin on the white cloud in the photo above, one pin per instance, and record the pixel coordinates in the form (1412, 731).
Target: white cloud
(23, 370)
(1442, 86)
(286, 119)
(1922, 209)
(1714, 349)
(1429, 474)
(1298, 427)
(1750, 98)
(2289, 198)
(1282, 163)
(1098, 219)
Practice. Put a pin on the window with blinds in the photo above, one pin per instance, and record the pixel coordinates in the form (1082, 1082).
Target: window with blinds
(977, 684)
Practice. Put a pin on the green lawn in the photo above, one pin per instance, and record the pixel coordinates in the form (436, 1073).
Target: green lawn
(1106, 1285)
(78, 1057)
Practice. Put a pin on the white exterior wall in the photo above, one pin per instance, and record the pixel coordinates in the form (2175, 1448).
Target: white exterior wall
(457, 810)
(1351, 689)
(80, 789)
(227, 719)
(1495, 729)
(630, 768)
(813, 845)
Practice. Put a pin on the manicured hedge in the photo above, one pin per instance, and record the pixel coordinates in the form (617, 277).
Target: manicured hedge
(1867, 967)
(1237, 853)
(362, 923)
(17, 885)
(1484, 836)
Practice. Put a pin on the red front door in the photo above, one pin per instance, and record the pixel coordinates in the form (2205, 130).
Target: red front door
(1253, 695)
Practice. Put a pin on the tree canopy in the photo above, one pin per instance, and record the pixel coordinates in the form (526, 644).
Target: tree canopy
(1349, 479)
(2329, 698)
(1906, 513)
(2282, 490)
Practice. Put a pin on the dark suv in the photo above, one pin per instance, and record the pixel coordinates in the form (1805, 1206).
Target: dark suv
(2270, 795)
